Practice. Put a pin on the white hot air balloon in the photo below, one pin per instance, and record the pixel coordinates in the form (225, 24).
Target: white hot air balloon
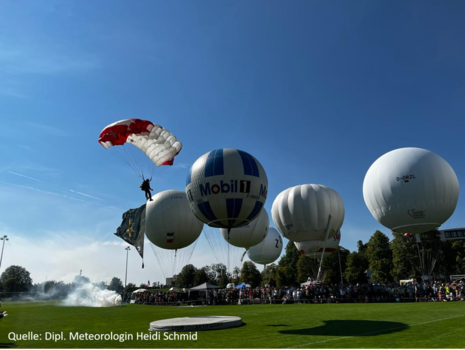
(268, 250)
(308, 212)
(250, 234)
(226, 188)
(411, 190)
(169, 221)
(317, 249)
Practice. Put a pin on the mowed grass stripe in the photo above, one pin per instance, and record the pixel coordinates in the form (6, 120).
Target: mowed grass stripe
(397, 325)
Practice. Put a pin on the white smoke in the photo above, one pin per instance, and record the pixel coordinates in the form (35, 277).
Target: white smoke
(89, 295)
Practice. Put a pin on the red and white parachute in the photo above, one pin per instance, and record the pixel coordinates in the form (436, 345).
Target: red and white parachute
(160, 145)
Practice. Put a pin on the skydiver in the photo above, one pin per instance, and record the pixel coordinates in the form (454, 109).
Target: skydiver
(145, 186)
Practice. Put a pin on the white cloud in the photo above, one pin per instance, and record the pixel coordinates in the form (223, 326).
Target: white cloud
(27, 177)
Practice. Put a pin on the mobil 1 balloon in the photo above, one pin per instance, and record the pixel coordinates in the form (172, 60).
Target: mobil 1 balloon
(226, 188)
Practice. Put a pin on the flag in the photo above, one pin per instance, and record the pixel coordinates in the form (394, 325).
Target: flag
(132, 229)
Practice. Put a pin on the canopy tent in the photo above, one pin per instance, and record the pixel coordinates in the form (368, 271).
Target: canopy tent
(242, 285)
(140, 290)
(204, 286)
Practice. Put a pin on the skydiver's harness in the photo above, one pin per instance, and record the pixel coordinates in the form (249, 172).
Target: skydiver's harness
(145, 186)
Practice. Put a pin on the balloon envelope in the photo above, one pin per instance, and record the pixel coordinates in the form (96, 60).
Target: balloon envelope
(301, 213)
(226, 188)
(268, 250)
(411, 190)
(250, 234)
(315, 248)
(169, 222)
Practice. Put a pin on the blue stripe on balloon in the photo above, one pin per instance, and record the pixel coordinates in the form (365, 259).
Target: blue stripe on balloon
(214, 165)
(233, 208)
(249, 163)
(207, 211)
(258, 206)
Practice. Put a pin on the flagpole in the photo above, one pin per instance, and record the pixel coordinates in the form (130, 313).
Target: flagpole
(127, 255)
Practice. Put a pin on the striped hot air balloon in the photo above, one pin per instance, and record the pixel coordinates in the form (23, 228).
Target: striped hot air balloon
(226, 188)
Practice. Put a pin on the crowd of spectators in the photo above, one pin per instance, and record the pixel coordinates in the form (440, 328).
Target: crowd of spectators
(159, 297)
(357, 293)
(311, 293)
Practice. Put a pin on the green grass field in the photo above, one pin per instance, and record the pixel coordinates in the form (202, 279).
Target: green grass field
(396, 325)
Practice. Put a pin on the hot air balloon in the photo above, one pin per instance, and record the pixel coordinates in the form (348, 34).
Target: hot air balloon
(169, 222)
(172, 227)
(158, 144)
(226, 188)
(319, 249)
(411, 190)
(268, 250)
(250, 234)
(308, 212)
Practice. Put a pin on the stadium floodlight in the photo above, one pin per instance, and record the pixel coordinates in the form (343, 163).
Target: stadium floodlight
(4, 238)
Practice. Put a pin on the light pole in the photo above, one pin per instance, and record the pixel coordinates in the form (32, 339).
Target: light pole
(4, 238)
(127, 254)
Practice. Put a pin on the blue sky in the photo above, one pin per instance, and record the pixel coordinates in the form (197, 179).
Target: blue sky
(315, 90)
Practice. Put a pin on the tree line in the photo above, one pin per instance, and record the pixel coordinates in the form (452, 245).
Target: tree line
(380, 260)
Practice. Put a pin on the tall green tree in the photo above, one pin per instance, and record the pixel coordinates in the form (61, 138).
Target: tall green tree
(362, 247)
(186, 277)
(379, 255)
(81, 280)
(405, 261)
(459, 250)
(269, 275)
(116, 284)
(200, 276)
(335, 264)
(22, 278)
(250, 274)
(130, 287)
(289, 262)
(355, 269)
(304, 268)
(285, 277)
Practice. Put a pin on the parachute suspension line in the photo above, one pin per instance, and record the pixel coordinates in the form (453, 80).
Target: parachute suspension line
(121, 155)
(158, 259)
(130, 154)
(189, 255)
(330, 218)
(228, 262)
(216, 249)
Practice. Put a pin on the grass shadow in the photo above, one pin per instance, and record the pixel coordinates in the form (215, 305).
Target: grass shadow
(8, 345)
(354, 328)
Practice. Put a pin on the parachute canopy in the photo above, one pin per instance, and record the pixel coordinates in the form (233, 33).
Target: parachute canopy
(157, 143)
(226, 188)
(411, 190)
(250, 234)
(268, 250)
(301, 213)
